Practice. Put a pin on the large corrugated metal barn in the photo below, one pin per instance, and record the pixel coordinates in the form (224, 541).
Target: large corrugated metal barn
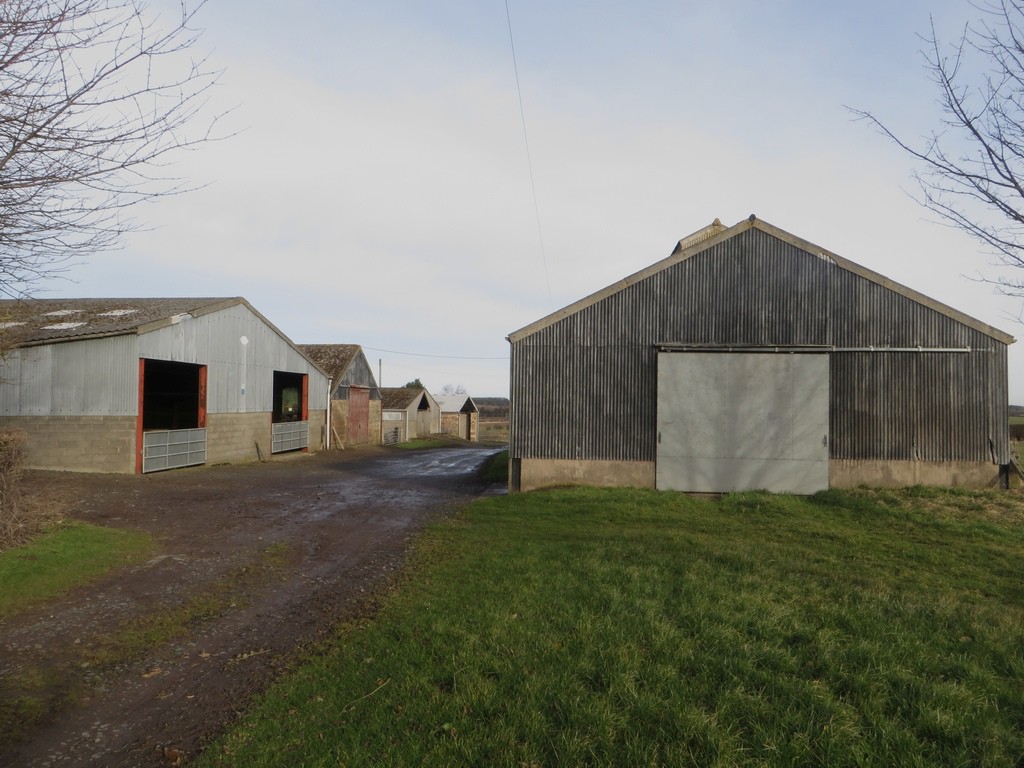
(139, 385)
(752, 359)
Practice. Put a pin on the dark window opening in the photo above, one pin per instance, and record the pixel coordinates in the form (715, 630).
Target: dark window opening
(171, 395)
(288, 404)
(424, 405)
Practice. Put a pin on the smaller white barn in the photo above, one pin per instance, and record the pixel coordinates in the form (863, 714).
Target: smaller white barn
(459, 416)
(408, 413)
(139, 385)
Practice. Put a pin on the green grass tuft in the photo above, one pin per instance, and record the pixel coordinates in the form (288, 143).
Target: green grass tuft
(70, 555)
(495, 469)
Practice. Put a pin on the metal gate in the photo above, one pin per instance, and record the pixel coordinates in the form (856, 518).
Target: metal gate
(290, 436)
(173, 448)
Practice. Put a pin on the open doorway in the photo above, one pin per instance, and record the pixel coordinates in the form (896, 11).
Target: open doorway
(289, 400)
(172, 396)
(171, 428)
(291, 412)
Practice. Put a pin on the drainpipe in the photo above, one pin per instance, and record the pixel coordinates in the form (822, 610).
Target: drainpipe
(330, 389)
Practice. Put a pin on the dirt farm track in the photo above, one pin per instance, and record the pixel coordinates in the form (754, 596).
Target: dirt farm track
(289, 548)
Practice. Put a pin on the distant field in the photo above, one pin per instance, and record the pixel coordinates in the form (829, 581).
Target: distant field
(492, 431)
(1017, 419)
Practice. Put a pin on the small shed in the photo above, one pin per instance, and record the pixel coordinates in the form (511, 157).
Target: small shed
(355, 397)
(139, 385)
(408, 413)
(753, 359)
(459, 416)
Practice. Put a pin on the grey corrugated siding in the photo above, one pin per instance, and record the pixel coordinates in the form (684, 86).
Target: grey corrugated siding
(215, 340)
(78, 378)
(358, 374)
(585, 386)
(100, 377)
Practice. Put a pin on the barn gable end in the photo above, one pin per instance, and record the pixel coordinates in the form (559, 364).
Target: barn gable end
(917, 391)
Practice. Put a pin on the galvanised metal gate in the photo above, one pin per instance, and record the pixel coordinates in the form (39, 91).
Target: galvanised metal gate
(290, 436)
(173, 448)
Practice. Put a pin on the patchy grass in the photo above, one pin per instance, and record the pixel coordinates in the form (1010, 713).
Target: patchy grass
(495, 469)
(617, 627)
(67, 556)
(39, 690)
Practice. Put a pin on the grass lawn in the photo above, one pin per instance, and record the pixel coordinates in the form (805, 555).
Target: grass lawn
(65, 557)
(635, 628)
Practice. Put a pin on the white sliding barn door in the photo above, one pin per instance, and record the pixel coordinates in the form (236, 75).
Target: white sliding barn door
(735, 421)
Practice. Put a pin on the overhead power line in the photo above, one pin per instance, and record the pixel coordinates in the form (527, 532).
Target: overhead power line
(440, 357)
(526, 142)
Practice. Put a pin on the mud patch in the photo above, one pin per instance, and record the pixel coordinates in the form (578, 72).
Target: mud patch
(255, 564)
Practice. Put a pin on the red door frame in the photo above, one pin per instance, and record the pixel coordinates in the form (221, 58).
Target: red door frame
(305, 404)
(138, 423)
(142, 400)
(202, 397)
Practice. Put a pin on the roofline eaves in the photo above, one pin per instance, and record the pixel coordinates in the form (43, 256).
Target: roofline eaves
(781, 234)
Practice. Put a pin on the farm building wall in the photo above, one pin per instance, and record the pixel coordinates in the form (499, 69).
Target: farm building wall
(233, 437)
(584, 386)
(78, 443)
(463, 425)
(358, 374)
(395, 427)
(78, 401)
(453, 424)
(99, 377)
(240, 376)
(375, 423)
(340, 422)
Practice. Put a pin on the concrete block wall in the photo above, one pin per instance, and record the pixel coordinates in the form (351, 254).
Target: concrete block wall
(850, 473)
(317, 430)
(339, 423)
(374, 431)
(77, 443)
(450, 424)
(233, 437)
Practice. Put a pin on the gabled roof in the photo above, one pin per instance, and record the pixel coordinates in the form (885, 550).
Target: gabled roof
(456, 403)
(400, 398)
(333, 358)
(37, 322)
(31, 322)
(716, 233)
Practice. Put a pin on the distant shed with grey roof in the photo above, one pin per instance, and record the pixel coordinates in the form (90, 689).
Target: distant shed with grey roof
(355, 397)
(459, 415)
(408, 413)
(138, 385)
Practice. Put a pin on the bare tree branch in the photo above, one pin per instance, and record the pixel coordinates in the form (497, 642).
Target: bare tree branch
(96, 97)
(972, 167)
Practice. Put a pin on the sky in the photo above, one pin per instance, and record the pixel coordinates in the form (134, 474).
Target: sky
(379, 187)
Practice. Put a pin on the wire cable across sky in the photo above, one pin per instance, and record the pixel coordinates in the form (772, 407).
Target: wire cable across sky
(529, 159)
(439, 357)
